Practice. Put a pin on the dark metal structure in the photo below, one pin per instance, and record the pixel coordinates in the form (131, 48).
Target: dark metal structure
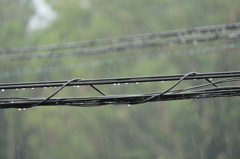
(216, 85)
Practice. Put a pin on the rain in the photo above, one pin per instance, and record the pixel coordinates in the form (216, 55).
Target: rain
(119, 79)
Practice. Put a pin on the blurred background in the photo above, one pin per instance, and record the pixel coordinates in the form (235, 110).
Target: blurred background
(201, 129)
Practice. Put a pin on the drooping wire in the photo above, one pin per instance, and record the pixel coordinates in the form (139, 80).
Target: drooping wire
(154, 55)
(164, 92)
(169, 94)
(64, 85)
(208, 84)
(120, 47)
(106, 81)
(131, 38)
(211, 82)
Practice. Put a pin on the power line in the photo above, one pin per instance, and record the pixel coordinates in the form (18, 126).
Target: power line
(194, 92)
(122, 47)
(132, 38)
(23, 103)
(119, 60)
(106, 81)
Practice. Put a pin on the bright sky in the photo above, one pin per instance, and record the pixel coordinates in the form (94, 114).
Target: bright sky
(43, 15)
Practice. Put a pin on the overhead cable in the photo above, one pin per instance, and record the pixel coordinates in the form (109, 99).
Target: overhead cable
(123, 59)
(194, 92)
(120, 47)
(126, 39)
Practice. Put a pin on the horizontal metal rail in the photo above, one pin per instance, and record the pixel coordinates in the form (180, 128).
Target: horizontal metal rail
(106, 81)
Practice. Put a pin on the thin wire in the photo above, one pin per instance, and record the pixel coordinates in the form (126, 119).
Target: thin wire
(126, 99)
(208, 84)
(211, 82)
(107, 81)
(164, 92)
(121, 47)
(213, 28)
(94, 87)
(76, 79)
(204, 85)
(15, 102)
(67, 83)
(118, 60)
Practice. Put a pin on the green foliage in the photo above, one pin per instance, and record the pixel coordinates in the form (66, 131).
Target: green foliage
(181, 129)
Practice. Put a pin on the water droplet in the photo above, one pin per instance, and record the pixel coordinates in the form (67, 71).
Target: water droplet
(12, 101)
(194, 79)
(129, 105)
(136, 82)
(157, 37)
(230, 35)
(210, 79)
(194, 33)
(146, 38)
(23, 88)
(24, 109)
(135, 39)
(45, 87)
(218, 31)
(162, 81)
(114, 84)
(118, 83)
(32, 88)
(235, 35)
(180, 35)
(78, 86)
(74, 86)
(19, 108)
(195, 42)
(126, 83)
(140, 39)
(2, 90)
(114, 41)
(183, 40)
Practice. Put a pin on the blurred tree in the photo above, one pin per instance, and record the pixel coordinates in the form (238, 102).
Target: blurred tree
(14, 17)
(189, 129)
